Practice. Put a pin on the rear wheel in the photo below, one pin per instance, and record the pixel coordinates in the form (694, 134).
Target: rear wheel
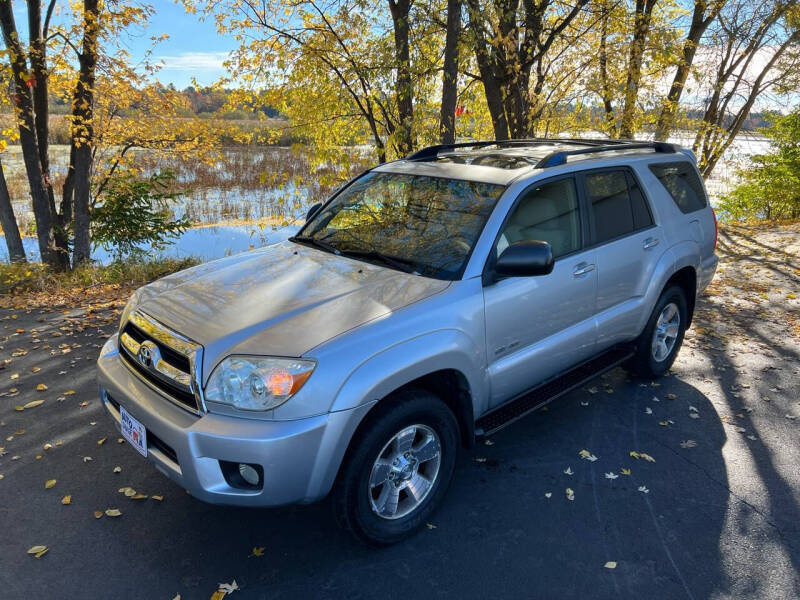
(659, 343)
(398, 469)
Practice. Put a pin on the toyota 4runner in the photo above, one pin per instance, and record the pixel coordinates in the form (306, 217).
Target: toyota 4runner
(431, 301)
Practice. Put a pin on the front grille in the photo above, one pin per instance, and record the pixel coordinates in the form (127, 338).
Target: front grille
(161, 357)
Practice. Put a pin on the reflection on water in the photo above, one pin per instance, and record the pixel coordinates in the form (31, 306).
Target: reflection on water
(205, 243)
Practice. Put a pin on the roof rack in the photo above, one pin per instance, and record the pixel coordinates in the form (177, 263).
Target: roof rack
(555, 159)
(588, 146)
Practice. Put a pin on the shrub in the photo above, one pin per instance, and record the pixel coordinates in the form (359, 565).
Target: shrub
(135, 217)
(770, 187)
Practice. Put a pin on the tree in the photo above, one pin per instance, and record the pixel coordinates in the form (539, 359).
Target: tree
(512, 42)
(641, 28)
(447, 126)
(703, 15)
(755, 48)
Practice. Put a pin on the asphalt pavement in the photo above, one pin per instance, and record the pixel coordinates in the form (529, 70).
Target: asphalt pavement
(694, 492)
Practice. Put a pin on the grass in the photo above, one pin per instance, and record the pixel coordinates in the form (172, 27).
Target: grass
(32, 285)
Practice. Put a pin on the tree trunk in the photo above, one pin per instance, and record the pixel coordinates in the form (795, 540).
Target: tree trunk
(403, 85)
(700, 22)
(605, 86)
(23, 109)
(487, 66)
(644, 10)
(39, 92)
(8, 222)
(447, 127)
(83, 131)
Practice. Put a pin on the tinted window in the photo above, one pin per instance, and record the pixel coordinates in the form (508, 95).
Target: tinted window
(682, 182)
(618, 205)
(428, 223)
(548, 213)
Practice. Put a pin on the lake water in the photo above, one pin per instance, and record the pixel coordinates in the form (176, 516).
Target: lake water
(205, 243)
(288, 202)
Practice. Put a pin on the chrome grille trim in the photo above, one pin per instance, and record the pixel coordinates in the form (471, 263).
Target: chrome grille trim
(151, 367)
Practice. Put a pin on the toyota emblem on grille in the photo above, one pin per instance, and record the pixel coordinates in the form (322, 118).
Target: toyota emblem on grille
(148, 354)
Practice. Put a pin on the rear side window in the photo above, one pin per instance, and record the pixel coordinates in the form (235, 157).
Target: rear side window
(618, 205)
(682, 182)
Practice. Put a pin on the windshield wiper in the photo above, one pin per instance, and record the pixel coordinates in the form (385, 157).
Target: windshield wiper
(304, 239)
(396, 263)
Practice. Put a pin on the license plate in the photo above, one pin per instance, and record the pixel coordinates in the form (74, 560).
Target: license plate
(133, 431)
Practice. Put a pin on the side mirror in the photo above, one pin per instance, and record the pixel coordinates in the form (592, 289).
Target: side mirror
(312, 211)
(524, 259)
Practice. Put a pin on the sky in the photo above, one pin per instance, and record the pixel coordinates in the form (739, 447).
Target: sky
(194, 48)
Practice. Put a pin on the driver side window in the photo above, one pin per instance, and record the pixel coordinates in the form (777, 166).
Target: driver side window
(548, 213)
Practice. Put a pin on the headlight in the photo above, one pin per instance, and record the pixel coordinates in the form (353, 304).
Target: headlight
(129, 308)
(254, 383)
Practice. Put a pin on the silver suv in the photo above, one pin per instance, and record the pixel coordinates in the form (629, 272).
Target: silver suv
(431, 301)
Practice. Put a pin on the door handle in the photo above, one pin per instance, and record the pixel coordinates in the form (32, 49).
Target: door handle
(582, 269)
(650, 242)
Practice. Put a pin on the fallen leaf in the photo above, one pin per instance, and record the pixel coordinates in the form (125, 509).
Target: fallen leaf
(155, 497)
(548, 494)
(87, 459)
(47, 447)
(259, 550)
(569, 471)
(129, 492)
(752, 437)
(694, 416)
(647, 457)
(428, 525)
(36, 369)
(587, 455)
(38, 551)
(625, 471)
(139, 497)
(688, 444)
(488, 442)
(584, 403)
(117, 469)
(15, 376)
(101, 441)
(634, 454)
(228, 588)
(648, 410)
(693, 409)
(98, 514)
(113, 512)
(33, 404)
(644, 489)
(480, 459)
(69, 392)
(66, 499)
(570, 494)
(49, 483)
(41, 387)
(610, 565)
(671, 396)
(611, 475)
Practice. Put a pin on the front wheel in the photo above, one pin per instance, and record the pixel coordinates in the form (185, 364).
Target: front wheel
(658, 346)
(398, 469)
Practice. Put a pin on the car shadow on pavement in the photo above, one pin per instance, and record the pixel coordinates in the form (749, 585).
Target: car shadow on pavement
(506, 528)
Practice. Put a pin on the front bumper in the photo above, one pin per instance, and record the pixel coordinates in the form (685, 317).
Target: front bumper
(300, 458)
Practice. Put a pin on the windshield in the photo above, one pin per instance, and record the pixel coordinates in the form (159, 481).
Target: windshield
(427, 224)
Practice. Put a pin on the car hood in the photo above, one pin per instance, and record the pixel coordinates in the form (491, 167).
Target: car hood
(281, 300)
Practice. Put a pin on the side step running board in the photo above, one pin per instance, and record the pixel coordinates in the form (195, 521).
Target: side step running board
(515, 409)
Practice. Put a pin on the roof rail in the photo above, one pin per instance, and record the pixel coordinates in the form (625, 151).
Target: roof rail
(431, 152)
(559, 158)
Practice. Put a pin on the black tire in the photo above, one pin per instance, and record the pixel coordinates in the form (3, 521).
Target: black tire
(644, 363)
(351, 497)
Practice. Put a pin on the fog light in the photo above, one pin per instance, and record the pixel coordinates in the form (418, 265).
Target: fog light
(249, 474)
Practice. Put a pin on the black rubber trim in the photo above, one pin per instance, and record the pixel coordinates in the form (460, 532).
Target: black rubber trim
(527, 402)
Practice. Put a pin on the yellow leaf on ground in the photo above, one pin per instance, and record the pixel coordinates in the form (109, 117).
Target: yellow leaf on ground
(98, 514)
(101, 441)
(570, 494)
(625, 471)
(155, 497)
(258, 551)
(69, 392)
(37, 551)
(49, 483)
(647, 457)
(610, 565)
(67, 499)
(113, 512)
(41, 387)
(33, 404)
(117, 469)
(139, 497)
(634, 454)
(218, 595)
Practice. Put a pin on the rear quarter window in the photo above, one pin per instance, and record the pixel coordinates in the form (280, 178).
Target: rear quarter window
(682, 183)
